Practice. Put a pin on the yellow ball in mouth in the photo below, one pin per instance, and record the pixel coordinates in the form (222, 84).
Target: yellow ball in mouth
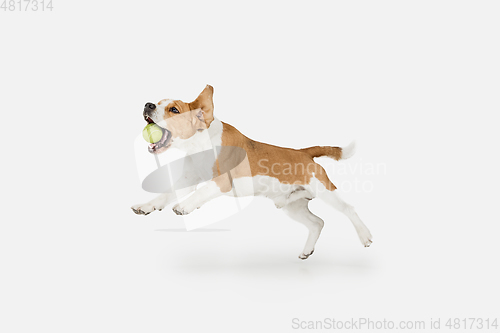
(152, 133)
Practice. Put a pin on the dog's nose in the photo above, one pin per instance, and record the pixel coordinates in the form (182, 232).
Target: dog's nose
(149, 107)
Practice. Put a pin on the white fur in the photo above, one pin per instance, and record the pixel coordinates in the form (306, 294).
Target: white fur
(294, 201)
(201, 196)
(348, 150)
(332, 198)
(299, 211)
(215, 132)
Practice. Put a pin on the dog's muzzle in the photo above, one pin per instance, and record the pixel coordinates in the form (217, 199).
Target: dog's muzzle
(166, 139)
(149, 107)
(148, 110)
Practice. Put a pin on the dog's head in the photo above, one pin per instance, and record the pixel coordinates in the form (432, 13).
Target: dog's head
(180, 120)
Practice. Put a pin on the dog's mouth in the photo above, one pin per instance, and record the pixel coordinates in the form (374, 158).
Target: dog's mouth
(165, 141)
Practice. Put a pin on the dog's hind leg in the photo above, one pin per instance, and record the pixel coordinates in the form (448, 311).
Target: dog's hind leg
(323, 188)
(332, 198)
(299, 211)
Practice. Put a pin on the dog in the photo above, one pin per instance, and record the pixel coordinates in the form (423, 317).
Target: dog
(289, 177)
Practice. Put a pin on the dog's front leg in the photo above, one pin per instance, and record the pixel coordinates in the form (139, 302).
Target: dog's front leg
(161, 201)
(202, 195)
(181, 188)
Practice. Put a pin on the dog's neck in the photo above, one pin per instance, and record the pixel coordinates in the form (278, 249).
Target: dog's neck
(203, 140)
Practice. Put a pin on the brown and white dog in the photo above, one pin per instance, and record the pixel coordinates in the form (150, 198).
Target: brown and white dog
(289, 177)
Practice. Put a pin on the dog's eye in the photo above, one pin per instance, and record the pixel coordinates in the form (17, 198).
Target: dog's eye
(174, 110)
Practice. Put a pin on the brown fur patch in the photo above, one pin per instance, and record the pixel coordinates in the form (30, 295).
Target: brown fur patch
(289, 166)
(318, 151)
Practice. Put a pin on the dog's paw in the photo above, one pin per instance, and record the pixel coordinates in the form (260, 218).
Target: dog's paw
(365, 237)
(180, 209)
(280, 202)
(304, 256)
(143, 209)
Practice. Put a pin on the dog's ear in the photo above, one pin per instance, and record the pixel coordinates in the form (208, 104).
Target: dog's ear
(198, 120)
(205, 102)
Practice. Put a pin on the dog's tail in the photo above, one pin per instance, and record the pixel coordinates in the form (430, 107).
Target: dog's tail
(337, 153)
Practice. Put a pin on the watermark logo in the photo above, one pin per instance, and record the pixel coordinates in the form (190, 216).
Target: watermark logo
(184, 160)
(369, 324)
(26, 6)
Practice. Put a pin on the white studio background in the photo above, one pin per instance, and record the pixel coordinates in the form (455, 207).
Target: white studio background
(415, 83)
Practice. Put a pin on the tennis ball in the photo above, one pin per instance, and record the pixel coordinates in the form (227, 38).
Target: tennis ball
(152, 133)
